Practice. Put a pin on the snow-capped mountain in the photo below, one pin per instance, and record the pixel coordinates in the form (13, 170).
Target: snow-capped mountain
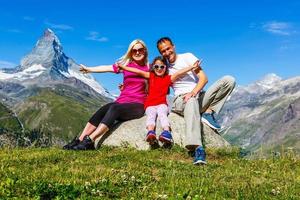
(47, 65)
(265, 112)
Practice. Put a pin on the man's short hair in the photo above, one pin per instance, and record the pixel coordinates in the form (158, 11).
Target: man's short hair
(164, 39)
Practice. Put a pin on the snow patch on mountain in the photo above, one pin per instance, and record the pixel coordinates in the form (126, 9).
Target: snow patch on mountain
(29, 73)
(87, 80)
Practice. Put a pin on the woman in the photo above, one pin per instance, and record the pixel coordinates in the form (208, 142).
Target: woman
(129, 105)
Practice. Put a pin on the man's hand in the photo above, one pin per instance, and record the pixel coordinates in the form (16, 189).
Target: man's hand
(187, 96)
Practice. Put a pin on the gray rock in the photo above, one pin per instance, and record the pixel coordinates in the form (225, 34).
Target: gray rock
(132, 134)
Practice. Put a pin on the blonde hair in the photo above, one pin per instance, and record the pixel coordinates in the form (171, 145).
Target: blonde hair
(126, 58)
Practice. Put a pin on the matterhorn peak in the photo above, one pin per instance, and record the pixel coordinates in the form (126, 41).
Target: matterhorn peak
(50, 36)
(46, 52)
(47, 64)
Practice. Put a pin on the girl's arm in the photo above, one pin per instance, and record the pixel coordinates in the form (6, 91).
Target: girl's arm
(183, 71)
(135, 70)
(100, 69)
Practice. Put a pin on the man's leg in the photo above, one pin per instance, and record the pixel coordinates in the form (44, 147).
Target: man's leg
(190, 111)
(193, 135)
(216, 95)
(214, 99)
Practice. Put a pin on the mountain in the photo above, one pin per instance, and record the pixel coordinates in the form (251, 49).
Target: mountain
(47, 93)
(46, 66)
(264, 114)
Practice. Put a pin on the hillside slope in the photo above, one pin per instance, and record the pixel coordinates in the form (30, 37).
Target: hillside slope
(61, 112)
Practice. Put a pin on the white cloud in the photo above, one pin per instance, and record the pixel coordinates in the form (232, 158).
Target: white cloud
(278, 28)
(28, 18)
(7, 64)
(95, 36)
(63, 27)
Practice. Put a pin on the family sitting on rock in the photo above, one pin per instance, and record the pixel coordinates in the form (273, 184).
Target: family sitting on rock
(183, 72)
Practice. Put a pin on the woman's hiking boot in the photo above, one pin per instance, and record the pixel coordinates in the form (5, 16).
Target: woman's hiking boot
(71, 144)
(86, 144)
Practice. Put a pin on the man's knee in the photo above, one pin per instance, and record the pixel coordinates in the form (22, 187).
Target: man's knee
(229, 80)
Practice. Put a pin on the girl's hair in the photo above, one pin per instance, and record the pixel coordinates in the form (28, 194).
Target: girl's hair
(163, 60)
(127, 57)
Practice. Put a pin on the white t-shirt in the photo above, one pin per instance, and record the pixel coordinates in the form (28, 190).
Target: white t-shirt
(187, 82)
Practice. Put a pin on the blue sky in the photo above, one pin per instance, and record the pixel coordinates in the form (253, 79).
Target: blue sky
(244, 39)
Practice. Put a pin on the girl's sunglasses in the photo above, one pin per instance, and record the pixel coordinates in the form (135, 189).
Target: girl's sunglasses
(159, 66)
(140, 50)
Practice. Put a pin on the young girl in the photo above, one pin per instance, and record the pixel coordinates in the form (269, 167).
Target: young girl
(156, 101)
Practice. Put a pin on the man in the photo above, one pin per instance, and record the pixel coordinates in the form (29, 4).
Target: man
(190, 100)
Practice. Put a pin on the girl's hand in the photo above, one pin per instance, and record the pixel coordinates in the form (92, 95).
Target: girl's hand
(121, 86)
(120, 66)
(197, 64)
(84, 69)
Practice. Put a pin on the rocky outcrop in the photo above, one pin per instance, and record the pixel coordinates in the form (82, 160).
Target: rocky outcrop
(132, 134)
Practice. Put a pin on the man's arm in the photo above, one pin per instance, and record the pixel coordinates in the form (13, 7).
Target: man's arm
(184, 71)
(200, 85)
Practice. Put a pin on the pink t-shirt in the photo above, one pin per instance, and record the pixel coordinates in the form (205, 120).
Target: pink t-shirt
(134, 90)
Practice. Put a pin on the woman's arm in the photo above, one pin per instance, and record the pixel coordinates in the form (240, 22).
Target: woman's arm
(185, 70)
(100, 69)
(135, 70)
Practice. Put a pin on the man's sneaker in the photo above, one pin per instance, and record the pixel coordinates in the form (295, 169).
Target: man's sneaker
(200, 156)
(209, 119)
(151, 138)
(166, 137)
(86, 144)
(71, 144)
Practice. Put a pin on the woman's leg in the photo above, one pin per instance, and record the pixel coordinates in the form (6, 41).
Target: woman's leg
(88, 130)
(95, 120)
(118, 111)
(101, 129)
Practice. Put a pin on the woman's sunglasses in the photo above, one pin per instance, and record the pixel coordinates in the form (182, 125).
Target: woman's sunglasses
(140, 50)
(159, 66)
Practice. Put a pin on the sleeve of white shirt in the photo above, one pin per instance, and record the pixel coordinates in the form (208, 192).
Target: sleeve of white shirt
(190, 59)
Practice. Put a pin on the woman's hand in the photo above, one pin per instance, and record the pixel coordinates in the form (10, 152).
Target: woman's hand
(84, 69)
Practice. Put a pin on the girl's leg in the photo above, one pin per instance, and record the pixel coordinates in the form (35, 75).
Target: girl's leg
(151, 114)
(162, 112)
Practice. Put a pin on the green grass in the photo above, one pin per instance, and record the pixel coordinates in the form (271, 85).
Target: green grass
(124, 173)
